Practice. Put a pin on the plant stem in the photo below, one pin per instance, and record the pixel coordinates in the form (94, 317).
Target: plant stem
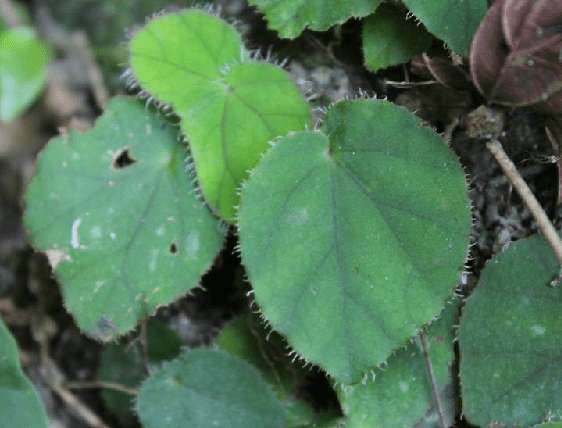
(529, 199)
(438, 406)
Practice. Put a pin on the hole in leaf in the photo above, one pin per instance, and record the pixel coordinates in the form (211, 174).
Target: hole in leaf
(122, 159)
(173, 248)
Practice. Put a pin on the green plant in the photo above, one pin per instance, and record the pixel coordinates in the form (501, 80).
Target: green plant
(354, 237)
(23, 70)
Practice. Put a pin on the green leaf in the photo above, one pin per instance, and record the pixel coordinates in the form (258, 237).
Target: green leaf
(453, 21)
(23, 70)
(289, 18)
(20, 406)
(510, 337)
(390, 39)
(206, 388)
(117, 213)
(230, 110)
(400, 395)
(245, 337)
(124, 364)
(354, 237)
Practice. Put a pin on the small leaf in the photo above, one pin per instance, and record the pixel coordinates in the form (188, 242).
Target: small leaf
(390, 39)
(453, 21)
(206, 388)
(230, 110)
(23, 70)
(290, 18)
(117, 213)
(354, 237)
(20, 405)
(400, 395)
(510, 337)
(124, 364)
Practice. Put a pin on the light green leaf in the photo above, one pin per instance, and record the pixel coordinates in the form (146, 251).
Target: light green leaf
(510, 337)
(205, 388)
(124, 363)
(390, 39)
(290, 17)
(230, 109)
(23, 70)
(20, 406)
(400, 395)
(453, 21)
(355, 237)
(117, 213)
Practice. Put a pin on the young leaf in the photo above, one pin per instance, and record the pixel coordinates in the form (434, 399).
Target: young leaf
(510, 337)
(453, 21)
(20, 405)
(230, 110)
(23, 70)
(125, 365)
(117, 214)
(400, 395)
(289, 18)
(355, 237)
(390, 39)
(206, 388)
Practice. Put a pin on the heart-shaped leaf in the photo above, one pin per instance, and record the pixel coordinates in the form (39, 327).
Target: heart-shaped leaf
(453, 21)
(356, 236)
(117, 213)
(401, 395)
(290, 18)
(510, 337)
(20, 405)
(230, 109)
(206, 388)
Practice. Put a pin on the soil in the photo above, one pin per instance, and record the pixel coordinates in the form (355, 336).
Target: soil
(329, 67)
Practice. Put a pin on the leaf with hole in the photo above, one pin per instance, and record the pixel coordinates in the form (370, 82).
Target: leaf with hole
(208, 388)
(354, 237)
(230, 107)
(402, 389)
(20, 405)
(509, 337)
(453, 21)
(390, 39)
(289, 18)
(119, 218)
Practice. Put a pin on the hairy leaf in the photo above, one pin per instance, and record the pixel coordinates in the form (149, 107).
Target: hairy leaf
(354, 237)
(230, 109)
(117, 214)
(453, 21)
(510, 337)
(290, 18)
(400, 394)
(206, 388)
